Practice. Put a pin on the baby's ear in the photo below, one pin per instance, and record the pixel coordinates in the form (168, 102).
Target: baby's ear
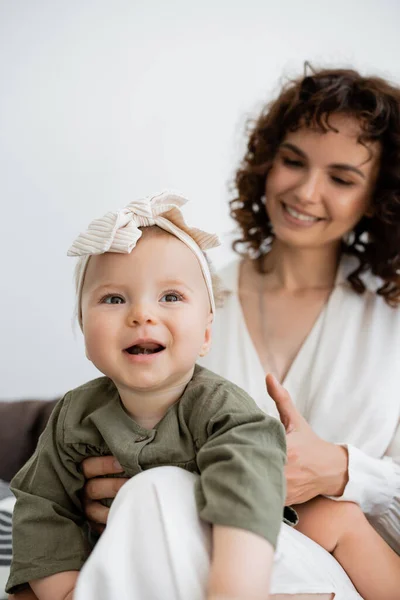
(207, 336)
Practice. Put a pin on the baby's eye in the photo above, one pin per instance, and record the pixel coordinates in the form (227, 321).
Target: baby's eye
(171, 297)
(112, 300)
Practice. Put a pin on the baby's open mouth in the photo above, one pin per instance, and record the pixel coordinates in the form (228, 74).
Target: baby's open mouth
(145, 348)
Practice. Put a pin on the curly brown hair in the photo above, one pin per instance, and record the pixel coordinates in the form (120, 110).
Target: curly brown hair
(309, 101)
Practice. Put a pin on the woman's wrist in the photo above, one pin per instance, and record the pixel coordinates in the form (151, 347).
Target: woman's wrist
(335, 473)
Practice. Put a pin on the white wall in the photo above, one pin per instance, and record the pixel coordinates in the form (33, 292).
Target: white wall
(104, 101)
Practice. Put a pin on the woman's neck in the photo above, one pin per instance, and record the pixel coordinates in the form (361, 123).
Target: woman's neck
(300, 269)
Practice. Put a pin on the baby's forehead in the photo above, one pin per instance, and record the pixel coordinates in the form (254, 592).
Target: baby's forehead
(157, 256)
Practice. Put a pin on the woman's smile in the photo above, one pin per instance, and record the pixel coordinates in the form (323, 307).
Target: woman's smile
(297, 217)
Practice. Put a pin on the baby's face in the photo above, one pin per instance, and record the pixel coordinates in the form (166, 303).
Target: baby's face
(146, 315)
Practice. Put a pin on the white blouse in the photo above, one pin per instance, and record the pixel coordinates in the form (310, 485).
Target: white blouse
(345, 381)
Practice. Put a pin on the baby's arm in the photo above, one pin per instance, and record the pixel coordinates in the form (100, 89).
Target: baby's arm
(342, 529)
(240, 492)
(241, 565)
(55, 587)
(48, 489)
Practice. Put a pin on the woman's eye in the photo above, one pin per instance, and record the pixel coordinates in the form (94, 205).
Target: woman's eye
(113, 300)
(171, 297)
(292, 162)
(341, 181)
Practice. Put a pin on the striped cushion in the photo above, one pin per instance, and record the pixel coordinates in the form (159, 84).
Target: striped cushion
(6, 506)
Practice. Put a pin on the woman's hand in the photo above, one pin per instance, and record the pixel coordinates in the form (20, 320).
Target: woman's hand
(314, 467)
(98, 486)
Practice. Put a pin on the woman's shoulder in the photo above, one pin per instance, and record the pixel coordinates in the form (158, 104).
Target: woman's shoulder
(369, 297)
(348, 264)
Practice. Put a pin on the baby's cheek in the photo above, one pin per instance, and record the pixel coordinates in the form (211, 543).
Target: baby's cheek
(89, 349)
(95, 335)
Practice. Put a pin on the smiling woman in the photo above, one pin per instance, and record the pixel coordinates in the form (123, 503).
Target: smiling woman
(332, 135)
(314, 302)
(323, 178)
(319, 188)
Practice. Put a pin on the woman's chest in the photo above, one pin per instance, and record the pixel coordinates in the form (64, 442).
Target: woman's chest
(279, 324)
(344, 378)
(347, 382)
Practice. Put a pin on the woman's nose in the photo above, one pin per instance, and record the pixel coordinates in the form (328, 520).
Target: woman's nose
(309, 188)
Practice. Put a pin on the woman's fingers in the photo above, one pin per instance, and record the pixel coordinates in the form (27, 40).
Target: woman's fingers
(97, 466)
(96, 513)
(97, 527)
(95, 490)
(98, 486)
(103, 487)
(287, 410)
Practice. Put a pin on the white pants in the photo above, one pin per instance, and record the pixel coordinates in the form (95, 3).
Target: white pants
(156, 548)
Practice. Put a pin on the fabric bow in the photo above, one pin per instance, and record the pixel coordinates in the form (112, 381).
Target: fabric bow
(119, 232)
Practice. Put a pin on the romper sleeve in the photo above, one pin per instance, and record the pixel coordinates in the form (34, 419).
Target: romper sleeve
(374, 484)
(48, 534)
(241, 454)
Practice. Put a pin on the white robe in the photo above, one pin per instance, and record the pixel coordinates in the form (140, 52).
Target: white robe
(345, 381)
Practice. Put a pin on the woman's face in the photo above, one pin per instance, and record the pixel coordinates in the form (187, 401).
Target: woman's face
(321, 184)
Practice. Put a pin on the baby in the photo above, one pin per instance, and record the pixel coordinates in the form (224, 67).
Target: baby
(145, 305)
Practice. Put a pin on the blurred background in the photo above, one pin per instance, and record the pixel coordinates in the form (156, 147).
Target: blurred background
(102, 102)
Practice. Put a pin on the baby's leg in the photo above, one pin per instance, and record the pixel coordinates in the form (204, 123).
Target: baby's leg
(342, 529)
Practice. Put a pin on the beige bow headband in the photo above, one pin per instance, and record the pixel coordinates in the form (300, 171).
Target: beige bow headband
(119, 232)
